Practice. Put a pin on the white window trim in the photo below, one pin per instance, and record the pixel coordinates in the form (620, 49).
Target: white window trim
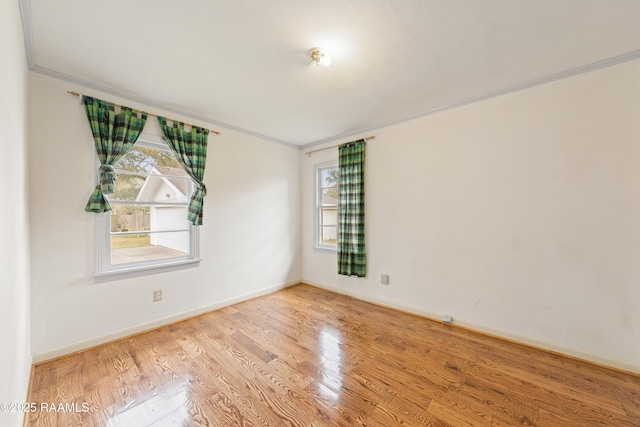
(317, 196)
(104, 271)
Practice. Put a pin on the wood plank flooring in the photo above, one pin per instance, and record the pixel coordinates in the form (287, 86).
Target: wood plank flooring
(308, 357)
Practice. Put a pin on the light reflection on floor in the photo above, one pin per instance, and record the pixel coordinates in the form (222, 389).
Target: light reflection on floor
(330, 342)
(159, 410)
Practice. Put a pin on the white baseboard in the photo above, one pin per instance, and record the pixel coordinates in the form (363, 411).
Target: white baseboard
(92, 342)
(542, 345)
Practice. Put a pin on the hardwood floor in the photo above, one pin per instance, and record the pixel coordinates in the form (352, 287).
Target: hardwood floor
(307, 357)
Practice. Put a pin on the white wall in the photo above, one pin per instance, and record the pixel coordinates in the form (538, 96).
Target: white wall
(249, 240)
(15, 352)
(518, 215)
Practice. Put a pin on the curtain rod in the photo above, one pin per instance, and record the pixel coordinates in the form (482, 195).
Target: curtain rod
(148, 114)
(308, 153)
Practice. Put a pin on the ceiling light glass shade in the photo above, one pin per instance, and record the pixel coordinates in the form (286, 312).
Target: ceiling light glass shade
(325, 60)
(319, 57)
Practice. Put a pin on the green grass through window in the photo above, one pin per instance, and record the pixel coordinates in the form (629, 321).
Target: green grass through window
(130, 241)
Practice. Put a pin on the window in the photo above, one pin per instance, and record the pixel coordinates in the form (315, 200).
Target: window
(147, 229)
(326, 211)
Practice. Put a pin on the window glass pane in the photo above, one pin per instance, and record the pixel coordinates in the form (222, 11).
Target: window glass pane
(148, 225)
(127, 187)
(326, 215)
(329, 216)
(173, 186)
(144, 159)
(128, 248)
(330, 196)
(164, 218)
(126, 218)
(329, 177)
(329, 235)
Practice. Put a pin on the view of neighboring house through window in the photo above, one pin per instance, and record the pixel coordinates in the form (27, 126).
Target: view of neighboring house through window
(327, 205)
(148, 223)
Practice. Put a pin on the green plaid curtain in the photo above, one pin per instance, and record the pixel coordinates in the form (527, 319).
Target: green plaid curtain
(114, 135)
(351, 248)
(191, 150)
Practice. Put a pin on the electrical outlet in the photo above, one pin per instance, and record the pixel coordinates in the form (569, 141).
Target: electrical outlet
(157, 296)
(384, 279)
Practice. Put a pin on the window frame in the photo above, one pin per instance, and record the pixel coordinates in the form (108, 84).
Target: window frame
(105, 271)
(317, 206)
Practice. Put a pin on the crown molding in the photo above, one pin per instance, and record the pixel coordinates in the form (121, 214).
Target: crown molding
(151, 103)
(500, 92)
(27, 30)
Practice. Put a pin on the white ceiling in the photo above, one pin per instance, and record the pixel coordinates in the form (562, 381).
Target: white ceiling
(244, 64)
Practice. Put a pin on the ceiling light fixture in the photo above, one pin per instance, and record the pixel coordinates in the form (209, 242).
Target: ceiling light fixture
(319, 57)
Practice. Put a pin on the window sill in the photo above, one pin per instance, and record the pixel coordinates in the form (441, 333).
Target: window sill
(126, 273)
(326, 248)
